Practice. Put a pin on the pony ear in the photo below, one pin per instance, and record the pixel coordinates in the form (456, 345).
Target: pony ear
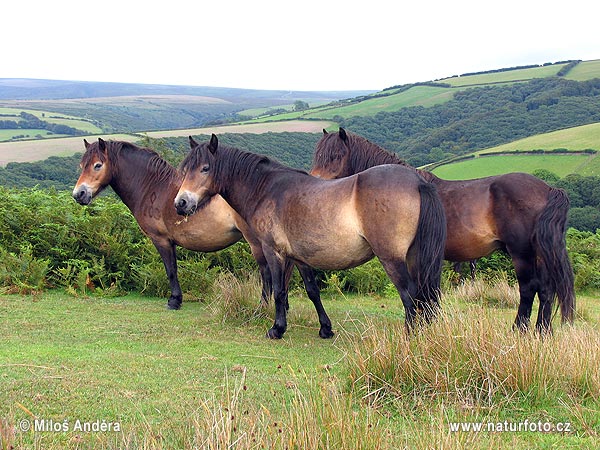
(324, 131)
(213, 144)
(343, 135)
(193, 143)
(86, 143)
(102, 145)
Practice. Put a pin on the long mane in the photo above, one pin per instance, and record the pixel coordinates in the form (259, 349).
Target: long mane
(155, 169)
(363, 153)
(235, 164)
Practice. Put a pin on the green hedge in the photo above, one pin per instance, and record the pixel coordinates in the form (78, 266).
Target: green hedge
(47, 240)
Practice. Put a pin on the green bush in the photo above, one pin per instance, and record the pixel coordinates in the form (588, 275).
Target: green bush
(48, 240)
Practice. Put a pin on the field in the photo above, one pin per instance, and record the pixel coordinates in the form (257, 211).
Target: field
(574, 139)
(485, 166)
(26, 151)
(503, 77)
(60, 119)
(205, 378)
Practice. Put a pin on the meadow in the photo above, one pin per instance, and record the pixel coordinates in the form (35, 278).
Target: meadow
(484, 166)
(206, 377)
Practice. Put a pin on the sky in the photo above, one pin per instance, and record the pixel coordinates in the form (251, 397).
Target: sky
(299, 45)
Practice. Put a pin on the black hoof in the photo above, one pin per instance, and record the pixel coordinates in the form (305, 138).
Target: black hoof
(326, 333)
(174, 306)
(273, 333)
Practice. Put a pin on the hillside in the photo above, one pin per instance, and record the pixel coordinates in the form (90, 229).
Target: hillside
(126, 108)
(510, 157)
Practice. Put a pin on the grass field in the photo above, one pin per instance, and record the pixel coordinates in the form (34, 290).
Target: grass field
(36, 150)
(195, 378)
(496, 165)
(572, 139)
(503, 77)
(47, 116)
(585, 70)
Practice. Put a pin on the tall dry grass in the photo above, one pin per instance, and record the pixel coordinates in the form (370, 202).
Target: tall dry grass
(470, 357)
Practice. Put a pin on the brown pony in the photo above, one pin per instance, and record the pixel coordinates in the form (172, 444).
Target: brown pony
(516, 212)
(388, 211)
(147, 184)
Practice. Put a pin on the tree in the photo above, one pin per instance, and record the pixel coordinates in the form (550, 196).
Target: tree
(549, 177)
(300, 105)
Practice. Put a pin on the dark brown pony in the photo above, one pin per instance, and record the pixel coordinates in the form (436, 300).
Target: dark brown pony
(516, 212)
(388, 211)
(147, 184)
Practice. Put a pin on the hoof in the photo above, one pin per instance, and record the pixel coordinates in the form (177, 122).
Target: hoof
(273, 333)
(173, 306)
(326, 333)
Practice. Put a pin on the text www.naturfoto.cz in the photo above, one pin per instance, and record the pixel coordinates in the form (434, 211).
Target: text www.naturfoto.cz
(512, 427)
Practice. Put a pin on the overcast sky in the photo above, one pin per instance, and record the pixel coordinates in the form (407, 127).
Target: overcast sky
(298, 45)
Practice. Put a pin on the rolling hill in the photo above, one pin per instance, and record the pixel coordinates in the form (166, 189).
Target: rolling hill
(571, 150)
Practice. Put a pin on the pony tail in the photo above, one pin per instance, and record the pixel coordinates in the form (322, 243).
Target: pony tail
(550, 244)
(428, 247)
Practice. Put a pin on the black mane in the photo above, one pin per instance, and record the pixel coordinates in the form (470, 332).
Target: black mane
(156, 169)
(233, 164)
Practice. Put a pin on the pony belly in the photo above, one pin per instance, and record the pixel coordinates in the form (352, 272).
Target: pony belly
(342, 255)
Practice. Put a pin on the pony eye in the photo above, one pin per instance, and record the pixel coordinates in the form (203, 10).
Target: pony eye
(98, 166)
(205, 169)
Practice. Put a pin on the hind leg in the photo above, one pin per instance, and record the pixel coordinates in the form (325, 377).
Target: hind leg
(398, 272)
(310, 283)
(528, 286)
(544, 319)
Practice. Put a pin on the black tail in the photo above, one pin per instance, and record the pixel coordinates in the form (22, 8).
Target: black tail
(553, 265)
(428, 248)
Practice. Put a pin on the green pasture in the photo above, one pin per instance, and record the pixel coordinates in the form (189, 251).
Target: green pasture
(191, 379)
(415, 96)
(484, 166)
(585, 70)
(47, 116)
(7, 135)
(504, 77)
(575, 139)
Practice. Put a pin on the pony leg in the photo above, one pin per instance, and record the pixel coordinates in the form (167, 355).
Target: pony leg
(279, 268)
(544, 319)
(265, 271)
(310, 283)
(168, 255)
(528, 286)
(398, 273)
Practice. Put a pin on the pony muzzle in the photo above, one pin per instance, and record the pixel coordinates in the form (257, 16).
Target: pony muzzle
(186, 203)
(83, 194)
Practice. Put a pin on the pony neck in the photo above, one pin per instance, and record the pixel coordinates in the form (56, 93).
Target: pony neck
(134, 174)
(244, 178)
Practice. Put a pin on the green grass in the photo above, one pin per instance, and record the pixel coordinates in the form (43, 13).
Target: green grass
(503, 77)
(585, 70)
(496, 165)
(61, 119)
(173, 379)
(575, 138)
(572, 139)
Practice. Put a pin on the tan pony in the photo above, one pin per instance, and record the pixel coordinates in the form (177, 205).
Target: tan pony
(147, 184)
(388, 211)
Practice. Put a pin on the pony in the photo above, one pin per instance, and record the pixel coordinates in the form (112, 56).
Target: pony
(516, 212)
(147, 184)
(388, 211)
